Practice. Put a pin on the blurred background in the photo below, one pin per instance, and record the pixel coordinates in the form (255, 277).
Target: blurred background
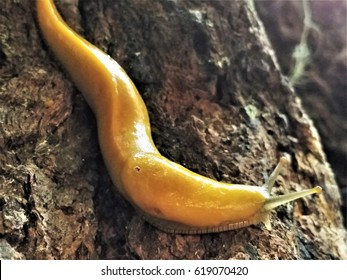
(309, 38)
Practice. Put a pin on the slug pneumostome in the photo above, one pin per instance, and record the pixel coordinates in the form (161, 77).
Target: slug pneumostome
(168, 195)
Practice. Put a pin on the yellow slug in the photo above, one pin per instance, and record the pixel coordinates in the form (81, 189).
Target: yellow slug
(167, 195)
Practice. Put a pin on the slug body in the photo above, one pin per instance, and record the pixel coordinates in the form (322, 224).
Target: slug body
(168, 195)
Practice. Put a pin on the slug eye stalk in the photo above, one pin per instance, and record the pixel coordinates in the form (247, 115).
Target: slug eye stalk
(275, 201)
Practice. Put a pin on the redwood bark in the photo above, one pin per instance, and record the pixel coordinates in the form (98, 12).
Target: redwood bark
(323, 84)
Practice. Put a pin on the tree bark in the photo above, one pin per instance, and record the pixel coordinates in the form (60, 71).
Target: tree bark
(323, 85)
(218, 105)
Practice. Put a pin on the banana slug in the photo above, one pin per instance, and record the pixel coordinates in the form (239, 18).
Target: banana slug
(169, 196)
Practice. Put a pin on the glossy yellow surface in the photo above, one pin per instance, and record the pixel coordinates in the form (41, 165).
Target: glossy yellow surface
(167, 194)
(169, 191)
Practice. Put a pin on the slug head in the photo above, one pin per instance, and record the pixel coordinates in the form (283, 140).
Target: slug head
(275, 201)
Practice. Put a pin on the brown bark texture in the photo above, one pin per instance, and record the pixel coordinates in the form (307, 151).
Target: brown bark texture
(323, 84)
(218, 104)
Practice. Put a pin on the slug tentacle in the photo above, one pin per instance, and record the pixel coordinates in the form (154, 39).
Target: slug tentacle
(269, 183)
(273, 202)
(165, 193)
(276, 201)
